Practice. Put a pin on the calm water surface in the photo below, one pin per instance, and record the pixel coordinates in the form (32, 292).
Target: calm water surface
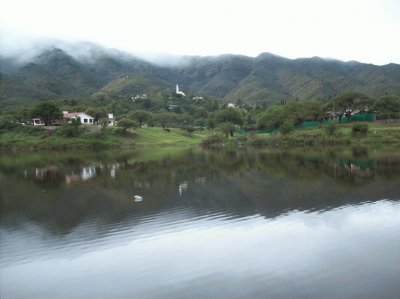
(247, 224)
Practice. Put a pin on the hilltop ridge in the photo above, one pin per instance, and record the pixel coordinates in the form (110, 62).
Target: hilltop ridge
(58, 73)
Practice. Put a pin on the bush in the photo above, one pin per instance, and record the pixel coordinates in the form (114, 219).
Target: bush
(360, 129)
(330, 129)
(190, 129)
(286, 127)
(227, 128)
(71, 130)
(126, 124)
(6, 125)
(213, 140)
(360, 152)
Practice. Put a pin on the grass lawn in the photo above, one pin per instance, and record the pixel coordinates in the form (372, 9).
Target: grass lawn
(379, 135)
(158, 136)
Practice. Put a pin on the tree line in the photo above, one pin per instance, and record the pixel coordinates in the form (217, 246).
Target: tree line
(176, 111)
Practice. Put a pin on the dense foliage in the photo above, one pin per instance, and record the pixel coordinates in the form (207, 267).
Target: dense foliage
(199, 113)
(47, 111)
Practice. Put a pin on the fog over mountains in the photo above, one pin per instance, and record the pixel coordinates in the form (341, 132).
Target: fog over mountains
(86, 70)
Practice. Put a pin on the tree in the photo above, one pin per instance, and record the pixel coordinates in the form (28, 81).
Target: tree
(211, 123)
(97, 113)
(227, 128)
(200, 122)
(200, 113)
(272, 118)
(185, 120)
(346, 103)
(141, 117)
(126, 124)
(212, 105)
(388, 107)
(230, 115)
(294, 112)
(286, 127)
(47, 112)
(164, 119)
(312, 110)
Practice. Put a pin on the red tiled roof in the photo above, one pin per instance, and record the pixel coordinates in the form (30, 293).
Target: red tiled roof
(72, 114)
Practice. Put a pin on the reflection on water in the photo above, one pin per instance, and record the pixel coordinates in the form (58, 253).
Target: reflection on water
(248, 224)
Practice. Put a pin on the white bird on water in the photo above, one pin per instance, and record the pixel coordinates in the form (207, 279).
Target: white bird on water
(138, 198)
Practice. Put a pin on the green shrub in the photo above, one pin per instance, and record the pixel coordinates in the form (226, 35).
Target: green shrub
(31, 130)
(213, 140)
(330, 129)
(360, 129)
(72, 129)
(7, 125)
(227, 128)
(360, 152)
(287, 127)
(190, 129)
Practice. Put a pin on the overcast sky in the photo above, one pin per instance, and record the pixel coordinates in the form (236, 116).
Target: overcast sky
(362, 30)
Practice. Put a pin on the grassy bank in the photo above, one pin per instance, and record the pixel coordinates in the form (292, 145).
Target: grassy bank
(40, 138)
(377, 135)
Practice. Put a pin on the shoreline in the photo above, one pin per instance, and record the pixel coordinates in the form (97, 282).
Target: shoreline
(33, 140)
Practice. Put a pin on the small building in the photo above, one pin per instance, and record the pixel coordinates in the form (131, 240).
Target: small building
(37, 122)
(173, 107)
(111, 120)
(332, 115)
(82, 117)
(231, 105)
(197, 98)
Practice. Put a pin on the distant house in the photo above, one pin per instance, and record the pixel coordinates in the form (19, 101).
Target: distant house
(36, 122)
(139, 97)
(111, 120)
(39, 122)
(173, 107)
(231, 105)
(82, 117)
(197, 98)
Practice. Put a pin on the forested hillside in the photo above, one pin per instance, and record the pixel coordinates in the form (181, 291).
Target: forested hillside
(56, 74)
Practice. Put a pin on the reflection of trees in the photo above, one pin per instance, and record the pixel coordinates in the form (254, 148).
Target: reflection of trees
(235, 182)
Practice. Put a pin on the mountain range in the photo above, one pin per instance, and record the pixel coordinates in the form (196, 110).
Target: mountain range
(58, 73)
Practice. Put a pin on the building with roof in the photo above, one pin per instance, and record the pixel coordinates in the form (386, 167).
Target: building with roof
(81, 116)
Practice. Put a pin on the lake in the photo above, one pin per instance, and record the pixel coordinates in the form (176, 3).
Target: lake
(187, 223)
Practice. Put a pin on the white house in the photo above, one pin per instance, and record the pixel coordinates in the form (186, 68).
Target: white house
(36, 122)
(83, 117)
(111, 120)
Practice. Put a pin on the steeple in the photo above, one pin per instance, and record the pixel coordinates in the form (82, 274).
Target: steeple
(178, 91)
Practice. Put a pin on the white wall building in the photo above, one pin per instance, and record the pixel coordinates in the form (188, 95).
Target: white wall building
(83, 117)
(110, 120)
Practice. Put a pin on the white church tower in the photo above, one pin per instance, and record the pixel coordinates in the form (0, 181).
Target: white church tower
(178, 91)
